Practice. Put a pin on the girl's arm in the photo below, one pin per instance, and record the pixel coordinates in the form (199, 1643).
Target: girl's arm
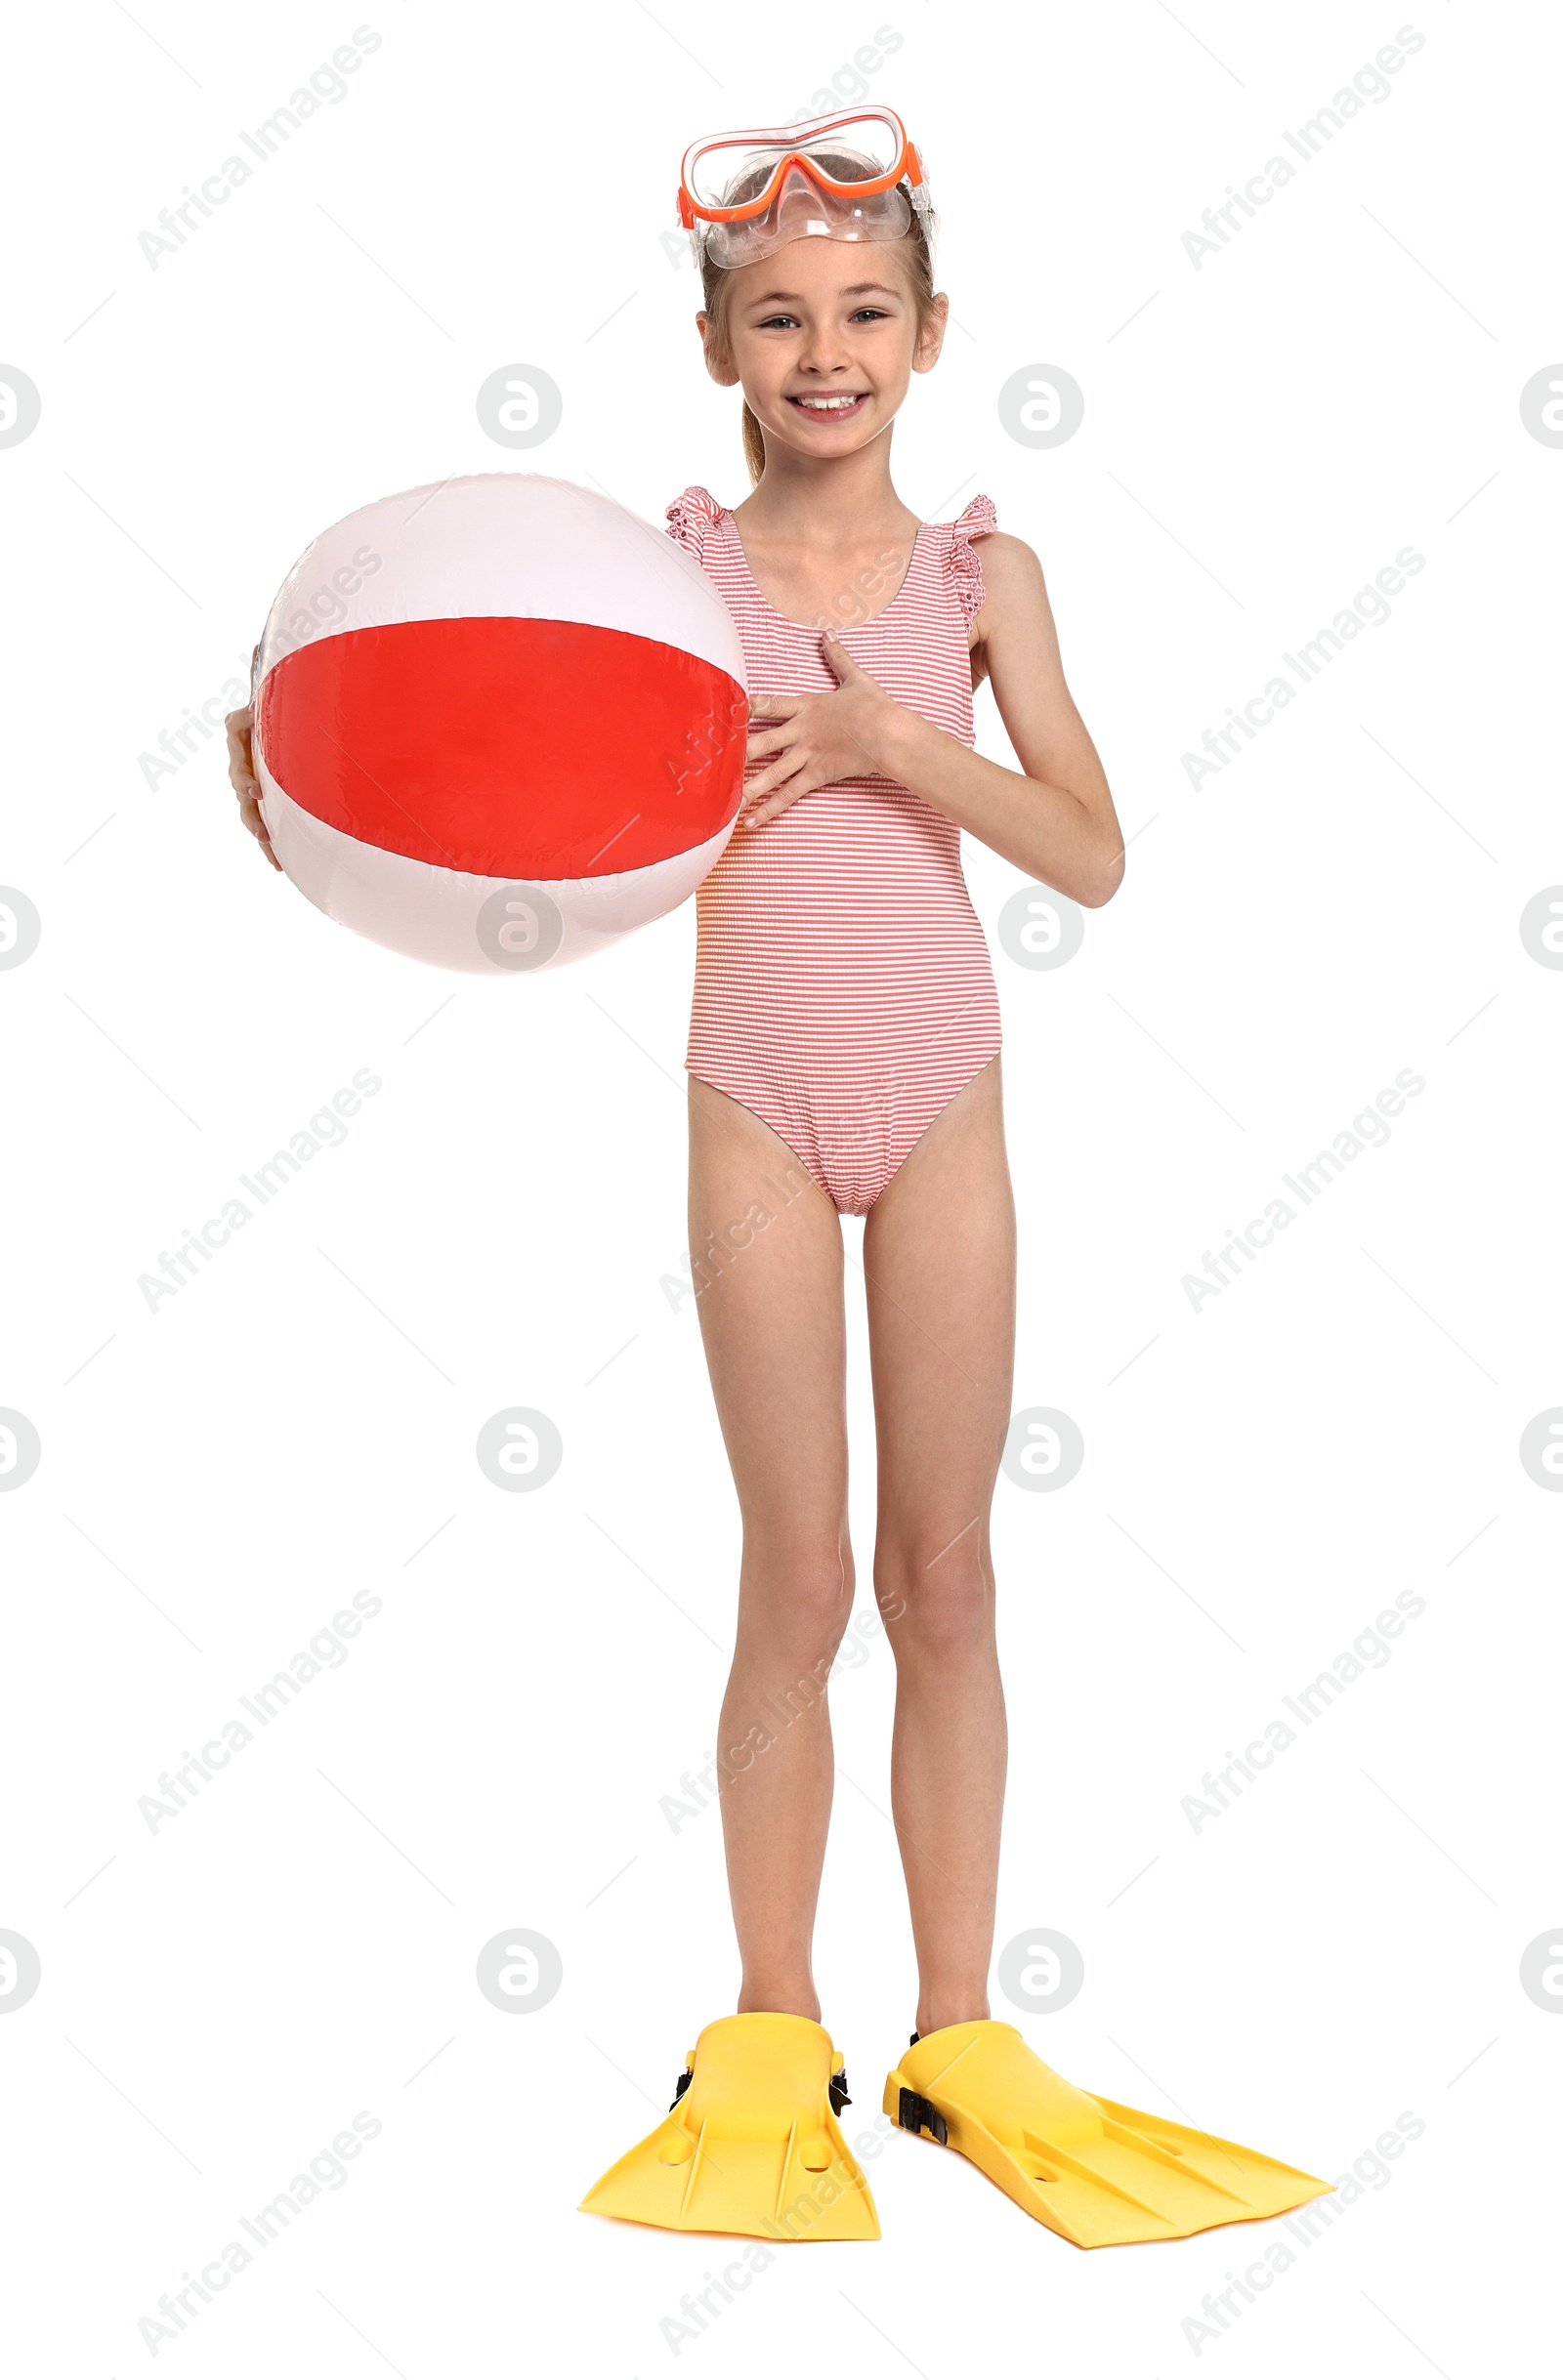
(1053, 817)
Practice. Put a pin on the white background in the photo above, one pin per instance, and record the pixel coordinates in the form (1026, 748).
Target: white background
(1261, 1477)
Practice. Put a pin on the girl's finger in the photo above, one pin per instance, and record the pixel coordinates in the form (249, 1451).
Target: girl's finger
(840, 660)
(240, 750)
(764, 741)
(251, 814)
(779, 802)
(769, 778)
(775, 706)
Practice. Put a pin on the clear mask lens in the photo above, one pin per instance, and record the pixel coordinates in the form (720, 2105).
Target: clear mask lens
(727, 172)
(801, 210)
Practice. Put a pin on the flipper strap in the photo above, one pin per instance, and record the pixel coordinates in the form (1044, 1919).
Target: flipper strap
(839, 2097)
(919, 2115)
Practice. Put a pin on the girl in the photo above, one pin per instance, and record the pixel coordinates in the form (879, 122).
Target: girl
(843, 1056)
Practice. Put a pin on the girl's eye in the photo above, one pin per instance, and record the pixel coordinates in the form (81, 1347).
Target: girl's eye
(864, 313)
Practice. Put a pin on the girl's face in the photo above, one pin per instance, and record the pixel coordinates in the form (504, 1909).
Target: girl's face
(823, 336)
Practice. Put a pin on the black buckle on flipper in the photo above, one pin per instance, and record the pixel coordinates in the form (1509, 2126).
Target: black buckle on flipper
(684, 2081)
(919, 2115)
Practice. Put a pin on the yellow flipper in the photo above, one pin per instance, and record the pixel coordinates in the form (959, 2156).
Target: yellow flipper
(752, 2144)
(1097, 2173)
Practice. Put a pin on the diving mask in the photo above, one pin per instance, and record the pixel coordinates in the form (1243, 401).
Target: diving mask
(854, 175)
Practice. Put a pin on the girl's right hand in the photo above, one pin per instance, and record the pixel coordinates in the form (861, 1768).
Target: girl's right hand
(241, 776)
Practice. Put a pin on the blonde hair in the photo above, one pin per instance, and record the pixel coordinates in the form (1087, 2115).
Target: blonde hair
(915, 244)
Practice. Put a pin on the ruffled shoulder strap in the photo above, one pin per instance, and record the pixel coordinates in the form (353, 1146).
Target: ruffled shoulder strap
(979, 519)
(690, 519)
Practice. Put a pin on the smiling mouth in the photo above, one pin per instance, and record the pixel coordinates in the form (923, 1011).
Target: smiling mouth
(837, 408)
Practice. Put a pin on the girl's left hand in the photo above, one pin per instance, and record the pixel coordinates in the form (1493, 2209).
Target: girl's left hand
(813, 740)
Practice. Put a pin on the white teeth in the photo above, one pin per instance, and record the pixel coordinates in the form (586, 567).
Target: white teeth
(825, 405)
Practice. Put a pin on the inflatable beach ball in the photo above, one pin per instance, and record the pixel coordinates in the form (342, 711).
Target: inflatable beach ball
(498, 723)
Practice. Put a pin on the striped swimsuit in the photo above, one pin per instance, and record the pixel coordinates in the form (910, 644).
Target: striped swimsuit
(843, 991)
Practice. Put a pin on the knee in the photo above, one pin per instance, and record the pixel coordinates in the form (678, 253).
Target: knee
(799, 1595)
(938, 1608)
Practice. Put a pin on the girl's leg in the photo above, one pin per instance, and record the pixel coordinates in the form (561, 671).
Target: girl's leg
(939, 1251)
(766, 1243)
